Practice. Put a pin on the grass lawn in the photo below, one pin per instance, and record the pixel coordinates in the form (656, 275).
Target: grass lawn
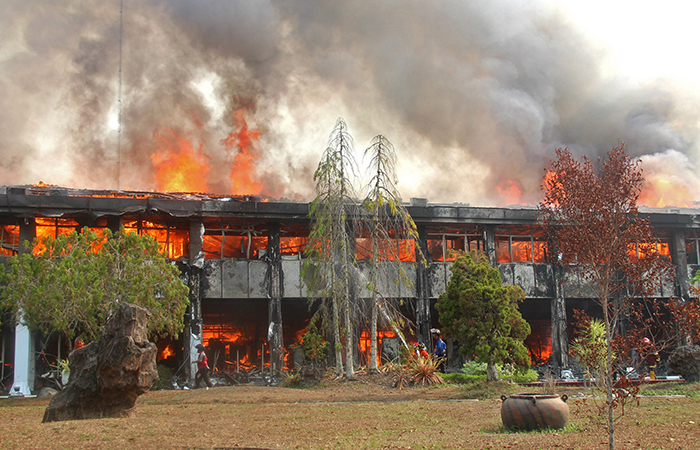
(353, 415)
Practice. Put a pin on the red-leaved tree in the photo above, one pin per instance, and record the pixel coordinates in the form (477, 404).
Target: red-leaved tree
(591, 217)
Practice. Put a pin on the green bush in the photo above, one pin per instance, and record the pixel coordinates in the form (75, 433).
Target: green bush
(475, 371)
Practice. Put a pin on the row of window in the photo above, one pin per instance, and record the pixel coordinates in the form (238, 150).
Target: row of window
(224, 240)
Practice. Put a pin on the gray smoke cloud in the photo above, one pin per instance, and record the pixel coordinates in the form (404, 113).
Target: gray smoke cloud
(474, 95)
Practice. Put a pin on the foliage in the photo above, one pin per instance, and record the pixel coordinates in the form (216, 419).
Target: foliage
(313, 344)
(424, 371)
(291, 380)
(592, 221)
(387, 225)
(72, 284)
(331, 261)
(589, 346)
(510, 372)
(413, 370)
(686, 315)
(482, 314)
(473, 371)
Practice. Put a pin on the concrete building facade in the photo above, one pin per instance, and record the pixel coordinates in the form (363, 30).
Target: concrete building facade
(242, 258)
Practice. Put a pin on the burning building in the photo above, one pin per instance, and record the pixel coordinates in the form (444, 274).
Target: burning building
(242, 258)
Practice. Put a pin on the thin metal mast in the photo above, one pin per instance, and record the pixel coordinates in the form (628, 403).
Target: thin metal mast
(119, 98)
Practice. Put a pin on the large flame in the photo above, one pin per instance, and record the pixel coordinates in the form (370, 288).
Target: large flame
(243, 179)
(660, 191)
(180, 168)
(511, 191)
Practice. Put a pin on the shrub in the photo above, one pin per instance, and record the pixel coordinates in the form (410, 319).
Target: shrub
(473, 371)
(290, 380)
(424, 371)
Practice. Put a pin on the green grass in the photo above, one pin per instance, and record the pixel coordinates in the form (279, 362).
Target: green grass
(572, 428)
(691, 390)
(483, 390)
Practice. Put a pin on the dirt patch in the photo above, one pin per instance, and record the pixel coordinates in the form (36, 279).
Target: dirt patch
(364, 414)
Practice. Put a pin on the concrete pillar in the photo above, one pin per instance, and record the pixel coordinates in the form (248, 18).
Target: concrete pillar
(24, 339)
(423, 291)
(275, 288)
(560, 338)
(193, 319)
(490, 244)
(680, 260)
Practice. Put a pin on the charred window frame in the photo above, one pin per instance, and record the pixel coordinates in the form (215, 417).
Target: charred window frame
(691, 247)
(230, 240)
(55, 226)
(663, 247)
(293, 240)
(173, 237)
(445, 242)
(521, 243)
(9, 240)
(392, 249)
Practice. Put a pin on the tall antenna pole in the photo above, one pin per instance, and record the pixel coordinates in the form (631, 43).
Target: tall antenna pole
(119, 98)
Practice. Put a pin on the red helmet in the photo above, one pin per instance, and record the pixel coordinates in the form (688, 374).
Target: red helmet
(646, 341)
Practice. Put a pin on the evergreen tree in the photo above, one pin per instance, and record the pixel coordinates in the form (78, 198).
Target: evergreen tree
(482, 314)
(331, 247)
(389, 229)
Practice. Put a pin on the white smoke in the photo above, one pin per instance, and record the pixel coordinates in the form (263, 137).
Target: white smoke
(474, 95)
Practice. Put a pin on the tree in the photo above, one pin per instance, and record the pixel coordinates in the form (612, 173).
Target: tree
(329, 268)
(482, 314)
(388, 227)
(592, 220)
(589, 346)
(73, 283)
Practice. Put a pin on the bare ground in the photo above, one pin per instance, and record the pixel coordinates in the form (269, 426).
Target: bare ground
(364, 414)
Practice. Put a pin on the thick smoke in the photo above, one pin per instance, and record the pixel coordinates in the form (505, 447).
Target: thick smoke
(474, 95)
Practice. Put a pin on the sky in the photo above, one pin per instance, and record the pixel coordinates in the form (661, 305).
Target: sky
(236, 97)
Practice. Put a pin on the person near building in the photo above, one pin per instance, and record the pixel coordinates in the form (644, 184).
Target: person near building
(440, 349)
(651, 357)
(202, 368)
(420, 351)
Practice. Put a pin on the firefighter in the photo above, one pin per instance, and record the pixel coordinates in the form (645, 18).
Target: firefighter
(440, 349)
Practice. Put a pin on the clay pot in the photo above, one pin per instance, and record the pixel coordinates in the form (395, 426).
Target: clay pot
(534, 411)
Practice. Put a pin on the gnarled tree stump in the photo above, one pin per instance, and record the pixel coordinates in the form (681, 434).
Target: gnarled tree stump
(108, 375)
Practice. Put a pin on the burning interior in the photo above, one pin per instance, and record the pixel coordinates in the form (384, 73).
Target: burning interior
(242, 258)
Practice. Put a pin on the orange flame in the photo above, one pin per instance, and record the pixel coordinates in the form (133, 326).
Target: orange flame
(292, 245)
(539, 342)
(659, 191)
(166, 352)
(365, 342)
(510, 191)
(180, 168)
(242, 172)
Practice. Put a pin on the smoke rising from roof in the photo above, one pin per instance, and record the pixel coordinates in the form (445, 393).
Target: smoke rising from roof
(475, 96)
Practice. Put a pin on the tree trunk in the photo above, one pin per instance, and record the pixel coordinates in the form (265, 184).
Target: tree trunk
(609, 375)
(349, 353)
(336, 340)
(491, 372)
(373, 336)
(560, 338)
